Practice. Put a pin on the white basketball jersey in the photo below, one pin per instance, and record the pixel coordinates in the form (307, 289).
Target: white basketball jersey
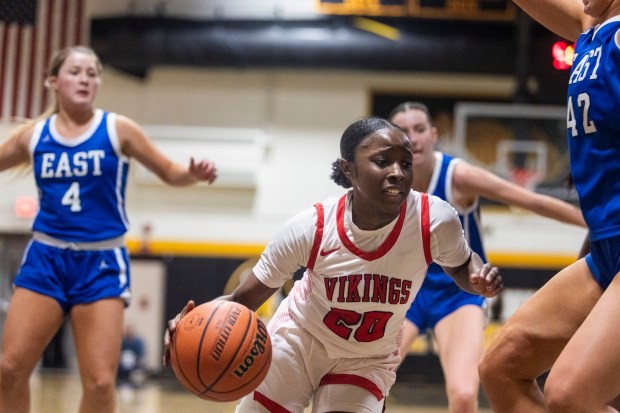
(359, 284)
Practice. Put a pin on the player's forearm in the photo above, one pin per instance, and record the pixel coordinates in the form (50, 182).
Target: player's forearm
(563, 17)
(251, 292)
(461, 274)
(561, 211)
(179, 175)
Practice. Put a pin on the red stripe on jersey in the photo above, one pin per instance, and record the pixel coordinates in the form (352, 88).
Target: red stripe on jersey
(426, 228)
(269, 404)
(318, 235)
(353, 380)
(383, 248)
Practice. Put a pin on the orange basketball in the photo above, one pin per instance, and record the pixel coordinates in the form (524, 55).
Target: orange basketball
(220, 351)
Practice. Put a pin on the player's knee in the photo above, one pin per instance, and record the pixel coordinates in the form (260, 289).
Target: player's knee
(13, 373)
(505, 356)
(100, 385)
(560, 398)
(494, 367)
(463, 399)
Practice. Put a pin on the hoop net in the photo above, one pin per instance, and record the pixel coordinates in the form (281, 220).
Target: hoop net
(525, 177)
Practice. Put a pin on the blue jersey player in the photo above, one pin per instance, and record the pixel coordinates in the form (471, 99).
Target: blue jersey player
(76, 264)
(456, 317)
(570, 326)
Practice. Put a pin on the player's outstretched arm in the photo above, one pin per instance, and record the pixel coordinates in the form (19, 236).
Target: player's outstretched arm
(563, 17)
(137, 144)
(471, 179)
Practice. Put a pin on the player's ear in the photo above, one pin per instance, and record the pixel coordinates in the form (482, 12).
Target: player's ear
(51, 82)
(435, 134)
(347, 168)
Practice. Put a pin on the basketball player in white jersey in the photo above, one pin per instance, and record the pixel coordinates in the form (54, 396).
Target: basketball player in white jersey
(76, 264)
(335, 337)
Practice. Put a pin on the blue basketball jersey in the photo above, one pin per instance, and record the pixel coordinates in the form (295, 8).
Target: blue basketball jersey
(81, 181)
(592, 129)
(441, 186)
(439, 295)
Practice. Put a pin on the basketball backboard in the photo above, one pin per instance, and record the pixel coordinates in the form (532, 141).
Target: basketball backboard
(524, 143)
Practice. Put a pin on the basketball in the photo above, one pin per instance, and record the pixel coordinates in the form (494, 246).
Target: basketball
(220, 351)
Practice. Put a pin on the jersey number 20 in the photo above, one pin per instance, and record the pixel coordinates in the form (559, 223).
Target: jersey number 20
(371, 324)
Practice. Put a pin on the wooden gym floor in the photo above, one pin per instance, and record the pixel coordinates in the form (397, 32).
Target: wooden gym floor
(59, 392)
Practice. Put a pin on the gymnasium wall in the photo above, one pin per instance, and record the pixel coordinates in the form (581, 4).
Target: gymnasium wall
(301, 115)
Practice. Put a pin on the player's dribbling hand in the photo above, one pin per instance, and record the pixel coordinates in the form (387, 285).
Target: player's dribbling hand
(203, 171)
(172, 326)
(487, 282)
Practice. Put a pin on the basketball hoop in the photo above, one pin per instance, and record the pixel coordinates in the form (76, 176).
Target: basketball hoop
(525, 177)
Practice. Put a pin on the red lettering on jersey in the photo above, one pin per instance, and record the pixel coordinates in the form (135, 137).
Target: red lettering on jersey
(376, 288)
(330, 286)
(405, 291)
(367, 284)
(354, 295)
(342, 284)
(394, 296)
(380, 285)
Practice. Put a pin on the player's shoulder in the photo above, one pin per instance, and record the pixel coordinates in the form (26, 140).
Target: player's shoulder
(436, 204)
(305, 217)
(26, 132)
(308, 216)
(440, 208)
(122, 121)
(331, 200)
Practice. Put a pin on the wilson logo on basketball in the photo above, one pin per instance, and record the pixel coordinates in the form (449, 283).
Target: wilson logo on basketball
(225, 333)
(257, 349)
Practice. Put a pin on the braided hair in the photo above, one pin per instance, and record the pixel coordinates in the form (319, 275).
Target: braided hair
(353, 135)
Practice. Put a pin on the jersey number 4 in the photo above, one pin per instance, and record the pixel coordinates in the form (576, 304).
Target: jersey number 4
(71, 198)
(371, 324)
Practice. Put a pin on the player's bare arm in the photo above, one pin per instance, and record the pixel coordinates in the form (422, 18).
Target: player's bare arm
(251, 292)
(14, 150)
(476, 277)
(136, 143)
(563, 17)
(470, 179)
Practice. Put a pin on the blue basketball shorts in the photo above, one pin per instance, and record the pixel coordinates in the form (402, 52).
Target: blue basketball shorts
(604, 260)
(75, 276)
(439, 297)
